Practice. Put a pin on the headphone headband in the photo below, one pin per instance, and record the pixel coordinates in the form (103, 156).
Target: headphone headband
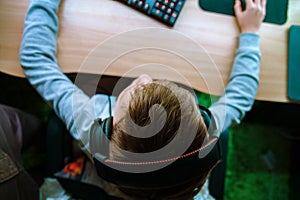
(189, 165)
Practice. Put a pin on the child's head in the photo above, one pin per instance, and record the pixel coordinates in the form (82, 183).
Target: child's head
(149, 115)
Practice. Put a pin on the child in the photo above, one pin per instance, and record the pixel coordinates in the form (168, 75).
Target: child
(145, 102)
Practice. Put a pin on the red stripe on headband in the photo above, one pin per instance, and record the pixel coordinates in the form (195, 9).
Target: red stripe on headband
(161, 161)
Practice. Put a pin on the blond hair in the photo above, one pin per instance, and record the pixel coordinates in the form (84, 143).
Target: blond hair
(180, 108)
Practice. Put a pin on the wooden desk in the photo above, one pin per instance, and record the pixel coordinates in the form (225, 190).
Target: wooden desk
(117, 40)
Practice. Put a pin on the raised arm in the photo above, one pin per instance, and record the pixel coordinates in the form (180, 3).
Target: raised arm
(240, 92)
(38, 59)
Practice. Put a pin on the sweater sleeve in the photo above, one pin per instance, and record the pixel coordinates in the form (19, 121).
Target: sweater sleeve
(38, 60)
(240, 92)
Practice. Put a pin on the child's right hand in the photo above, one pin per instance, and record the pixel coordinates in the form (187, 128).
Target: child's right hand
(250, 19)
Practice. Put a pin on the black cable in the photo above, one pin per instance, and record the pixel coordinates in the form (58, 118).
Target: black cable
(109, 102)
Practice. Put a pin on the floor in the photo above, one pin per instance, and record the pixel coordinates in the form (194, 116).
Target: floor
(263, 154)
(263, 150)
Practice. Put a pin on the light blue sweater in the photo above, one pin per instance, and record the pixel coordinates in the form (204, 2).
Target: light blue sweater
(78, 111)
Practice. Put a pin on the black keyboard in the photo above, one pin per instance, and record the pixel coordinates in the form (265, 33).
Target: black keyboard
(166, 11)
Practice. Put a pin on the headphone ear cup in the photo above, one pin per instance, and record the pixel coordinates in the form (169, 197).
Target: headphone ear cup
(107, 126)
(100, 134)
(206, 118)
(95, 133)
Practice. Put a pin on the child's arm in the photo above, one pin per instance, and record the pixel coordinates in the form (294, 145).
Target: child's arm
(38, 59)
(240, 92)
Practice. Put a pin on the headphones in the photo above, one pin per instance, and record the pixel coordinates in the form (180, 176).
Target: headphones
(168, 173)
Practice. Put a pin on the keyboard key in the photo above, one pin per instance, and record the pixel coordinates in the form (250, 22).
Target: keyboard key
(140, 4)
(172, 20)
(166, 17)
(172, 5)
(169, 11)
(134, 2)
(157, 12)
(175, 14)
(179, 6)
(146, 7)
(163, 8)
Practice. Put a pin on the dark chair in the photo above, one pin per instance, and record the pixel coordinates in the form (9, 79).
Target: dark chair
(218, 174)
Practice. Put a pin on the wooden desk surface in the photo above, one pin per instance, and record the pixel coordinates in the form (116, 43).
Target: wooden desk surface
(105, 36)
